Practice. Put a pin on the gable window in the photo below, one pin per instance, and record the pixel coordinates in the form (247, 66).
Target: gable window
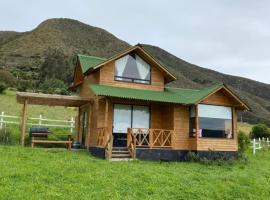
(132, 68)
(215, 121)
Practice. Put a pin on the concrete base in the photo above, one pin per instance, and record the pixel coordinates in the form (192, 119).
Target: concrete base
(180, 155)
(97, 152)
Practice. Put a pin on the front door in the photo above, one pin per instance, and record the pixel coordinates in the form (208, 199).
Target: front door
(128, 116)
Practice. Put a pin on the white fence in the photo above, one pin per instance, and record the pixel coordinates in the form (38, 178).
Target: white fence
(37, 121)
(260, 143)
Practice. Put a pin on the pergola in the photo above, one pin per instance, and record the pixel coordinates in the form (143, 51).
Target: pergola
(26, 98)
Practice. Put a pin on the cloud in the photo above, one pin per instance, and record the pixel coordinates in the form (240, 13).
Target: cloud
(229, 36)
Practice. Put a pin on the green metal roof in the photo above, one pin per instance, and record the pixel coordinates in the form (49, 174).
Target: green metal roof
(169, 95)
(88, 62)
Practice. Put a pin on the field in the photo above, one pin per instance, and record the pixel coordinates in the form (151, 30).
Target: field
(57, 174)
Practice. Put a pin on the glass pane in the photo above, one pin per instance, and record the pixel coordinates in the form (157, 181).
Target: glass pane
(141, 117)
(214, 111)
(215, 121)
(133, 67)
(122, 118)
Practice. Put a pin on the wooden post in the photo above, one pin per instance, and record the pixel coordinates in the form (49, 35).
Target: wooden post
(254, 146)
(151, 138)
(196, 121)
(78, 124)
(23, 122)
(106, 112)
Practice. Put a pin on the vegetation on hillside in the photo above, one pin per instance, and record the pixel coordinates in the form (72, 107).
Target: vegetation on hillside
(52, 45)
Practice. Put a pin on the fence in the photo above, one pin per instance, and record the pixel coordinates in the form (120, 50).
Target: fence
(258, 144)
(38, 121)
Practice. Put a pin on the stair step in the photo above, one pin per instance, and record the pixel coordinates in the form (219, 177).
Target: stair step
(121, 156)
(120, 152)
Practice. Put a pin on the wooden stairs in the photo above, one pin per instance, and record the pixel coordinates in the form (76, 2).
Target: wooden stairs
(120, 153)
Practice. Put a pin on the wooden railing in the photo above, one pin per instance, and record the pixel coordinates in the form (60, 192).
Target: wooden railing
(131, 145)
(105, 139)
(160, 138)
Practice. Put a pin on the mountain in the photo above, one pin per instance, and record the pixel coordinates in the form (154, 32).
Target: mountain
(24, 53)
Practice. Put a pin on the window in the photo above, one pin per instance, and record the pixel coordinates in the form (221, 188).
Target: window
(215, 121)
(128, 116)
(131, 68)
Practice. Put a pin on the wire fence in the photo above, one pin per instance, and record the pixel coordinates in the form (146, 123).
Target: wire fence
(37, 121)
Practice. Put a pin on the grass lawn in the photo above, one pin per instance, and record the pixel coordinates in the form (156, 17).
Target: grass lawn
(39, 173)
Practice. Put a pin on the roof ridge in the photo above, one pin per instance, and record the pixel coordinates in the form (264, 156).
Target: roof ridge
(89, 56)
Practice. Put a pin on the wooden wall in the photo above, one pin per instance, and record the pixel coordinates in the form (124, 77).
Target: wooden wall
(221, 97)
(107, 78)
(181, 127)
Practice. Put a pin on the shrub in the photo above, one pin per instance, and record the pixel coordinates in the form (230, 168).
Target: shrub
(243, 142)
(53, 86)
(3, 87)
(192, 157)
(5, 136)
(259, 131)
(7, 78)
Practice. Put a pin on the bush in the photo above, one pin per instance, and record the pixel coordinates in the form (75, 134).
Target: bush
(5, 136)
(3, 87)
(53, 86)
(259, 131)
(243, 142)
(7, 78)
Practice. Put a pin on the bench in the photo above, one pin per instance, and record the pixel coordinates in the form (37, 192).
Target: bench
(43, 132)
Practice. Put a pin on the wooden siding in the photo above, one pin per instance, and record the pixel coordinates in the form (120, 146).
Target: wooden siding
(221, 97)
(84, 89)
(107, 78)
(181, 127)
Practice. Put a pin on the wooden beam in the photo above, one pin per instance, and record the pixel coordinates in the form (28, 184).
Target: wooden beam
(106, 112)
(23, 122)
(196, 120)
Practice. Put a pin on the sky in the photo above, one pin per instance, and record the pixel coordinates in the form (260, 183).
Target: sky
(230, 36)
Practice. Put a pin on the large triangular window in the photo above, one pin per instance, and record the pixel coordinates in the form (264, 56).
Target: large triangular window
(132, 68)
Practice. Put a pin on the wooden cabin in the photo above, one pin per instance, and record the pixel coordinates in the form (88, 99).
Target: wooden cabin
(133, 114)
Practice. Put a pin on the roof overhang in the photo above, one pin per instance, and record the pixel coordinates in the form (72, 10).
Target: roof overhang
(242, 105)
(141, 52)
(51, 99)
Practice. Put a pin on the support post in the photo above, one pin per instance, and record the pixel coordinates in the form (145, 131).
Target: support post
(254, 146)
(23, 122)
(2, 120)
(196, 121)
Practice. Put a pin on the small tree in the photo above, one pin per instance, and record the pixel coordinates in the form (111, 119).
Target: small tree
(3, 87)
(243, 142)
(259, 131)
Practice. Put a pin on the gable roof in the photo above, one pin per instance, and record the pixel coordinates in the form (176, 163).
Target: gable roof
(169, 95)
(88, 62)
(101, 61)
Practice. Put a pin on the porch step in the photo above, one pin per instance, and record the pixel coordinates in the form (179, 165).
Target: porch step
(120, 153)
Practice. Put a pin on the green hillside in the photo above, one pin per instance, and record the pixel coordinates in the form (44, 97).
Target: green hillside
(42, 55)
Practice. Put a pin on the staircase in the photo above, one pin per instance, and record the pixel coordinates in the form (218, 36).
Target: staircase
(120, 153)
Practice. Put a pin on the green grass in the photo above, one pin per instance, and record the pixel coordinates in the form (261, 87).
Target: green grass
(9, 105)
(55, 174)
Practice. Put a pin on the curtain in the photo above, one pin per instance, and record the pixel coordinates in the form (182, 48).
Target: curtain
(143, 68)
(120, 65)
(210, 111)
(140, 116)
(121, 118)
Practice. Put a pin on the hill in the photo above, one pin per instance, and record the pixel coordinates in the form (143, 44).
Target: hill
(24, 55)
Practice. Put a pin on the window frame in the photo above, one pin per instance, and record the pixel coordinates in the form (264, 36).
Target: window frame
(131, 122)
(133, 80)
(191, 133)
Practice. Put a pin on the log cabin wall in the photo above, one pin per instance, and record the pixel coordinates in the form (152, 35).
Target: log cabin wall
(181, 127)
(92, 78)
(107, 78)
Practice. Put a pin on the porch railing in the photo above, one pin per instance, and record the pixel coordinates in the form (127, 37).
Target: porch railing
(153, 138)
(105, 139)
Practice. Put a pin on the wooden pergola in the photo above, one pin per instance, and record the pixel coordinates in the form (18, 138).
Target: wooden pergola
(26, 98)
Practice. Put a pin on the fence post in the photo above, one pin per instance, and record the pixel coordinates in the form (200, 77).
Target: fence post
(71, 125)
(40, 121)
(259, 143)
(254, 146)
(267, 142)
(2, 120)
